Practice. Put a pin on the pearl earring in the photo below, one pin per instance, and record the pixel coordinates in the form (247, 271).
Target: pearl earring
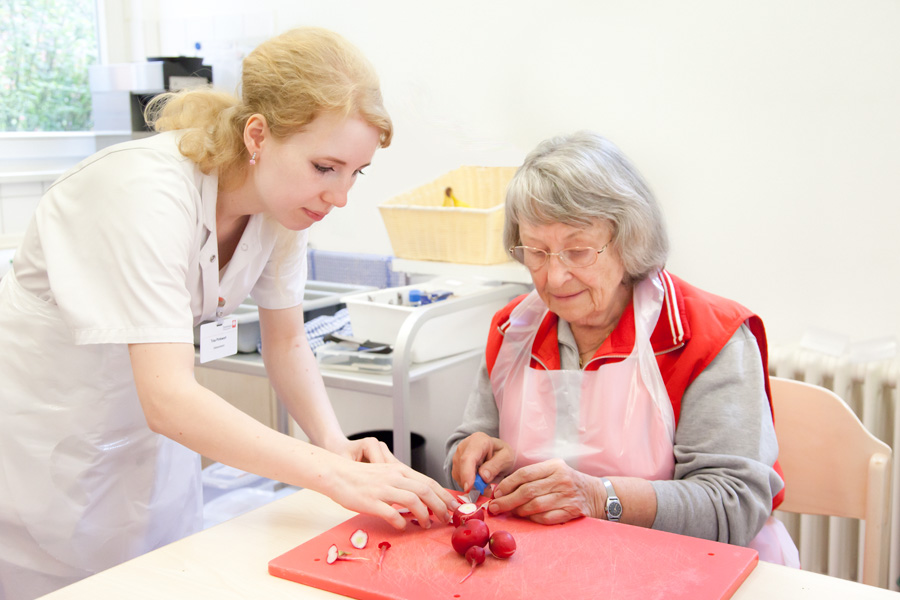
(253, 159)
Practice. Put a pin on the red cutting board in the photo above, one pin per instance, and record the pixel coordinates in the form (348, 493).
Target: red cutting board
(581, 559)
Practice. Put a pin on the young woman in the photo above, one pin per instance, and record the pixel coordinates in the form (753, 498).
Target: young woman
(101, 419)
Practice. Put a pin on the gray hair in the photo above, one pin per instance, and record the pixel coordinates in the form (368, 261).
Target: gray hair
(579, 179)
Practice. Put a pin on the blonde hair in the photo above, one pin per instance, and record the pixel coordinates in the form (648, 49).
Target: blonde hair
(290, 80)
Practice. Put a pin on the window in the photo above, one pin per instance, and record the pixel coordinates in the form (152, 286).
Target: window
(46, 47)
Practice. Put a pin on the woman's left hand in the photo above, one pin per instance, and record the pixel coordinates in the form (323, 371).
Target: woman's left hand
(549, 492)
(367, 449)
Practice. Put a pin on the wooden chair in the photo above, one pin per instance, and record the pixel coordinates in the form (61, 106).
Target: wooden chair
(834, 466)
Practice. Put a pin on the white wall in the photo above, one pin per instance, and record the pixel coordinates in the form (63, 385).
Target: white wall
(770, 130)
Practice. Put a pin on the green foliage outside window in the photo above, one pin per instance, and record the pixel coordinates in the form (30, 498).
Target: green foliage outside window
(46, 47)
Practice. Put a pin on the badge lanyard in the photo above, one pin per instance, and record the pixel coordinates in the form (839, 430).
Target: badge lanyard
(218, 338)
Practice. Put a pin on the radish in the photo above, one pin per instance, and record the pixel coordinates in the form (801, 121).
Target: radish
(475, 556)
(359, 539)
(502, 544)
(471, 533)
(466, 511)
(335, 555)
(384, 546)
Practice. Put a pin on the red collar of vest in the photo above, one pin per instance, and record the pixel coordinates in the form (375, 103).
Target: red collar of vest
(671, 332)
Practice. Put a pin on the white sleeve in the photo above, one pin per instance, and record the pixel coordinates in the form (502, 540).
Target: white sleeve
(281, 283)
(117, 236)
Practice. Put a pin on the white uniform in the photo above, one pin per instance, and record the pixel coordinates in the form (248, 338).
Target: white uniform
(122, 249)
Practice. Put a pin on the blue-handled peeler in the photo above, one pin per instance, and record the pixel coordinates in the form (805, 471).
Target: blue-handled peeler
(477, 489)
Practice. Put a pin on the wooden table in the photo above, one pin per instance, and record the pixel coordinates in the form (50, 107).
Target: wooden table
(230, 561)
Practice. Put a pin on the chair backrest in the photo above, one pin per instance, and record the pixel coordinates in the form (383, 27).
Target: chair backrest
(833, 466)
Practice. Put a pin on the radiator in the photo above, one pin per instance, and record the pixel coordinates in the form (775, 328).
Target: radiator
(831, 545)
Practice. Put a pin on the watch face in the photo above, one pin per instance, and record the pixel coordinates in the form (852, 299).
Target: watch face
(613, 511)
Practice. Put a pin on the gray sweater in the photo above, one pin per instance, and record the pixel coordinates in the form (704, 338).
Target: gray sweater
(725, 444)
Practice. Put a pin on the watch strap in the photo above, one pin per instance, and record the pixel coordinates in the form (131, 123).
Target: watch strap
(613, 505)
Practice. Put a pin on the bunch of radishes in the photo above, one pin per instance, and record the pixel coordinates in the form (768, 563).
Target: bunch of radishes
(472, 535)
(469, 539)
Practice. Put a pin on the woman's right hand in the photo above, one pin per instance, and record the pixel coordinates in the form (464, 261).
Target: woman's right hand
(491, 457)
(380, 488)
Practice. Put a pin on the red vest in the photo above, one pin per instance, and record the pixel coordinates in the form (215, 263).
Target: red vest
(693, 327)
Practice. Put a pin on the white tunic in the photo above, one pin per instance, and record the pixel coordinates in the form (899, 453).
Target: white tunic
(122, 249)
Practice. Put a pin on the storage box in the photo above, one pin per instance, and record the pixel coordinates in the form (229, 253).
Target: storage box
(421, 227)
(219, 479)
(229, 492)
(378, 316)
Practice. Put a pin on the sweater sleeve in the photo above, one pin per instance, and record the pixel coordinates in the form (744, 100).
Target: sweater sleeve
(725, 449)
(480, 415)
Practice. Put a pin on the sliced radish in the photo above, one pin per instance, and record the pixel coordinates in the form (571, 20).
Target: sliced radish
(384, 546)
(464, 512)
(335, 555)
(359, 539)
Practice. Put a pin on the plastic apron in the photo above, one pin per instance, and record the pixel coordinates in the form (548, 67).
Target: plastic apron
(84, 483)
(617, 420)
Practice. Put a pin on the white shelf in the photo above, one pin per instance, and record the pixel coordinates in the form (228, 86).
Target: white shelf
(508, 272)
(373, 383)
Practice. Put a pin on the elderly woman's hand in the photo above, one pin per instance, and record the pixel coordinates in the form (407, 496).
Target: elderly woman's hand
(491, 457)
(549, 492)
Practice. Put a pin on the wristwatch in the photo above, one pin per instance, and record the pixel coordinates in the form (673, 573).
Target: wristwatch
(613, 506)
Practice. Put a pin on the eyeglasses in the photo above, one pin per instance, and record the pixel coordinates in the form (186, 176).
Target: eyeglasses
(576, 258)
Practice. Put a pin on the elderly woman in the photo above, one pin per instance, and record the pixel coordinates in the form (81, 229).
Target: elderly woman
(615, 390)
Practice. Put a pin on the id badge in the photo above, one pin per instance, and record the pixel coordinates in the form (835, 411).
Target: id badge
(218, 339)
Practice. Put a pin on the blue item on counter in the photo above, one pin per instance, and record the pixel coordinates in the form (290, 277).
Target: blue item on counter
(415, 298)
(419, 298)
(438, 296)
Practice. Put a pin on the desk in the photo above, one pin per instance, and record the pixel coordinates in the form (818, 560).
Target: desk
(230, 561)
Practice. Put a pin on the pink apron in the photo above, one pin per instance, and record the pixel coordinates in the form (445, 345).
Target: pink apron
(627, 427)
(617, 420)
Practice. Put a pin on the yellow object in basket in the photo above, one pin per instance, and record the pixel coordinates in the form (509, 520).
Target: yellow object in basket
(451, 201)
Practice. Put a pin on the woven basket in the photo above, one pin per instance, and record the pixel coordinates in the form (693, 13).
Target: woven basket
(421, 228)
